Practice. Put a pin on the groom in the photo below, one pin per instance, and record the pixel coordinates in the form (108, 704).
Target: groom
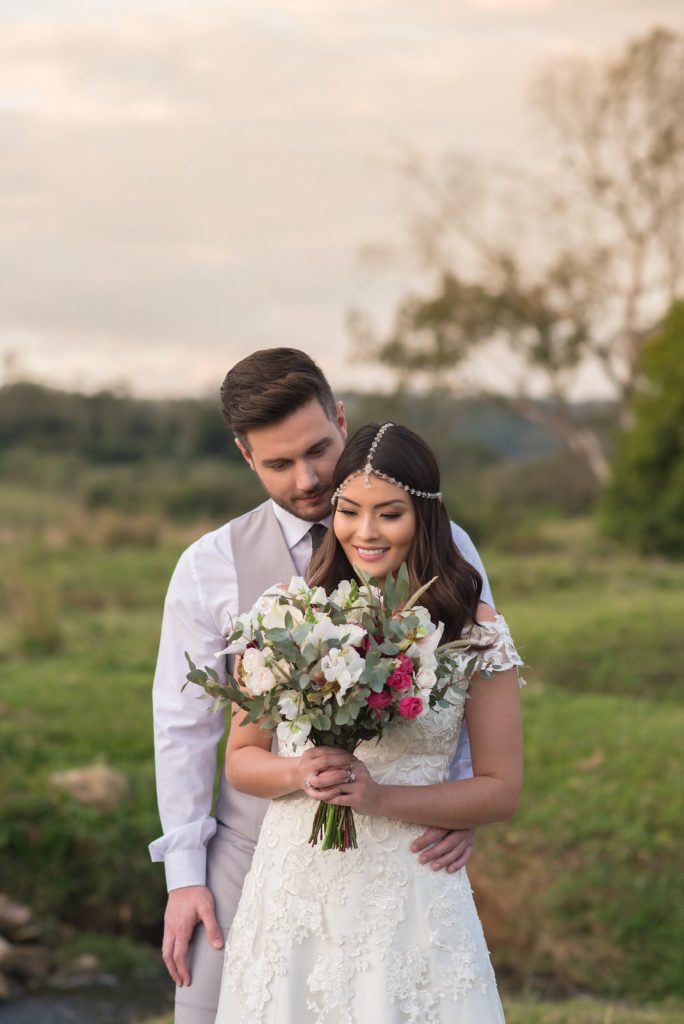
(290, 430)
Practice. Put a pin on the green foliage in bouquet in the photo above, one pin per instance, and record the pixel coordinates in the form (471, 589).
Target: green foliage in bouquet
(335, 670)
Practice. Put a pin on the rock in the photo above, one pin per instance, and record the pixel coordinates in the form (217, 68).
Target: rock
(85, 969)
(25, 961)
(14, 917)
(29, 933)
(97, 784)
(86, 963)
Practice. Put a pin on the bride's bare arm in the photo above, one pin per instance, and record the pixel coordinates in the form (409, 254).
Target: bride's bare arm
(493, 715)
(251, 767)
(495, 731)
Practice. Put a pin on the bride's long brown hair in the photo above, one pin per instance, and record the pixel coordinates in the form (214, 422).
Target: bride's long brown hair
(454, 596)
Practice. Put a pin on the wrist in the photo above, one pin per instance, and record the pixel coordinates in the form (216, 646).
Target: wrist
(293, 775)
(381, 801)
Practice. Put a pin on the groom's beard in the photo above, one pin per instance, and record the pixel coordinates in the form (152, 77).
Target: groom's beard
(309, 506)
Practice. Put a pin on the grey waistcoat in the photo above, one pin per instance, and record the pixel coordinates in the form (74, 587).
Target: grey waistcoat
(261, 559)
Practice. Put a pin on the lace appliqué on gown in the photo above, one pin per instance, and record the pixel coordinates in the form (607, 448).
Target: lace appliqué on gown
(324, 937)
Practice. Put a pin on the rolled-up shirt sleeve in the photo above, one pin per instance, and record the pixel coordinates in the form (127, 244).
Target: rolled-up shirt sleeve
(186, 733)
(462, 767)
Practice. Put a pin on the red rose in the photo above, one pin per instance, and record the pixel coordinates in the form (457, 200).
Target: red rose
(379, 700)
(399, 681)
(410, 707)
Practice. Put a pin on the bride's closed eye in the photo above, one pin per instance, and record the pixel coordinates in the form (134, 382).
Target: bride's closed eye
(383, 515)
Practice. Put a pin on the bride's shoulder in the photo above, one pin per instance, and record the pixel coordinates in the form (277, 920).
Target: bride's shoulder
(492, 638)
(488, 623)
(489, 627)
(485, 613)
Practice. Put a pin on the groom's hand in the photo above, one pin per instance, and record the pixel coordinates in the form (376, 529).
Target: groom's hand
(442, 849)
(185, 909)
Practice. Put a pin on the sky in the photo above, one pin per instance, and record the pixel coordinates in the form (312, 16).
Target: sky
(183, 183)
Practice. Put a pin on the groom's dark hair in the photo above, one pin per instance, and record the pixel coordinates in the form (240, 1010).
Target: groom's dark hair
(268, 385)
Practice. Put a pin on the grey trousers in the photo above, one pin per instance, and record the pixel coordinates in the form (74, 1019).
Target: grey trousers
(229, 855)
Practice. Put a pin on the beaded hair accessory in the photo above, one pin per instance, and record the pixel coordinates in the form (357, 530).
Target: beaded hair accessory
(369, 468)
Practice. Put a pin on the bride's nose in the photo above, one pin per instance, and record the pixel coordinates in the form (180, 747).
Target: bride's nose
(367, 527)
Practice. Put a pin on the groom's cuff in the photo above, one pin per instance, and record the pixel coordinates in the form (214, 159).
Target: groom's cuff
(185, 867)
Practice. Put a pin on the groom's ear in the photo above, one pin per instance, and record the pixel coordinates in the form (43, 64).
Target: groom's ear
(246, 454)
(341, 419)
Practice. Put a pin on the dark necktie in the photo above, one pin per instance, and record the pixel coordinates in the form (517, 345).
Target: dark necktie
(317, 533)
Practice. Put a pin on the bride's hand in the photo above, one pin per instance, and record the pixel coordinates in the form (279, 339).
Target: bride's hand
(357, 790)
(321, 768)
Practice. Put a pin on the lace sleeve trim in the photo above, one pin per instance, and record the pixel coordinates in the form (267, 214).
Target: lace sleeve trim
(499, 653)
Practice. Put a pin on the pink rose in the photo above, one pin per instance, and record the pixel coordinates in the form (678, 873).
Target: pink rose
(410, 707)
(405, 664)
(379, 700)
(399, 681)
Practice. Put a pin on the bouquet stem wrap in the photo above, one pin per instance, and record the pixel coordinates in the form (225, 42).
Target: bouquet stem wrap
(333, 825)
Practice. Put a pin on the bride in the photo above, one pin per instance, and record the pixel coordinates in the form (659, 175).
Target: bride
(371, 936)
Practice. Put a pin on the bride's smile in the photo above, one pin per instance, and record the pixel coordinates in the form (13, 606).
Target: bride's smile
(375, 525)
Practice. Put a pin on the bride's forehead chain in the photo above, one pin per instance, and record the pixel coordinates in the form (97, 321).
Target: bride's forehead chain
(370, 468)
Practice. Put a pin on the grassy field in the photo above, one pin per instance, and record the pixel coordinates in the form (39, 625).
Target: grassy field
(571, 1011)
(582, 892)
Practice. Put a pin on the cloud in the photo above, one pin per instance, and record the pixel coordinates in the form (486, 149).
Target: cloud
(200, 181)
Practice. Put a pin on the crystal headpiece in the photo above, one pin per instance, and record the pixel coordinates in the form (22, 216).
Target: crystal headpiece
(370, 468)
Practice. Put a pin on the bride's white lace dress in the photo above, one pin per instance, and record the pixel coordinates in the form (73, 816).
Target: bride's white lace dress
(369, 936)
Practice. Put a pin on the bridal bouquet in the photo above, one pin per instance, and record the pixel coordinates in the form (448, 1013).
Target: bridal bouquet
(336, 669)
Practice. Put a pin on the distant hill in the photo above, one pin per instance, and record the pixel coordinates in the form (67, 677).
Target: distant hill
(110, 428)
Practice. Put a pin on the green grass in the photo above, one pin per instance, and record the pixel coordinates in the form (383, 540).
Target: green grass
(583, 891)
(592, 618)
(573, 1011)
(589, 1011)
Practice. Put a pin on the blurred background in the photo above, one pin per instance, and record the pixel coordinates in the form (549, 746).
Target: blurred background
(472, 216)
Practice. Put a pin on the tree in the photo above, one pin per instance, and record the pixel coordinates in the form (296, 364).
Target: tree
(644, 502)
(606, 263)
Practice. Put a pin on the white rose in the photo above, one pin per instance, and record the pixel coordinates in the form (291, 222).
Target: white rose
(425, 679)
(261, 681)
(252, 659)
(264, 603)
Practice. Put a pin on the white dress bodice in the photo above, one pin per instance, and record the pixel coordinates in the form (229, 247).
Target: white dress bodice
(368, 936)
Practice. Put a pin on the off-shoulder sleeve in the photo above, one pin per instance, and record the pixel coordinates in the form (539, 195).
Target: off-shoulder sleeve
(498, 651)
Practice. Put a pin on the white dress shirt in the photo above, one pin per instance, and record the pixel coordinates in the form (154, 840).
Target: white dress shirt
(200, 608)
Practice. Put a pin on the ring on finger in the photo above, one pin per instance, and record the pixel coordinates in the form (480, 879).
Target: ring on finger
(351, 774)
